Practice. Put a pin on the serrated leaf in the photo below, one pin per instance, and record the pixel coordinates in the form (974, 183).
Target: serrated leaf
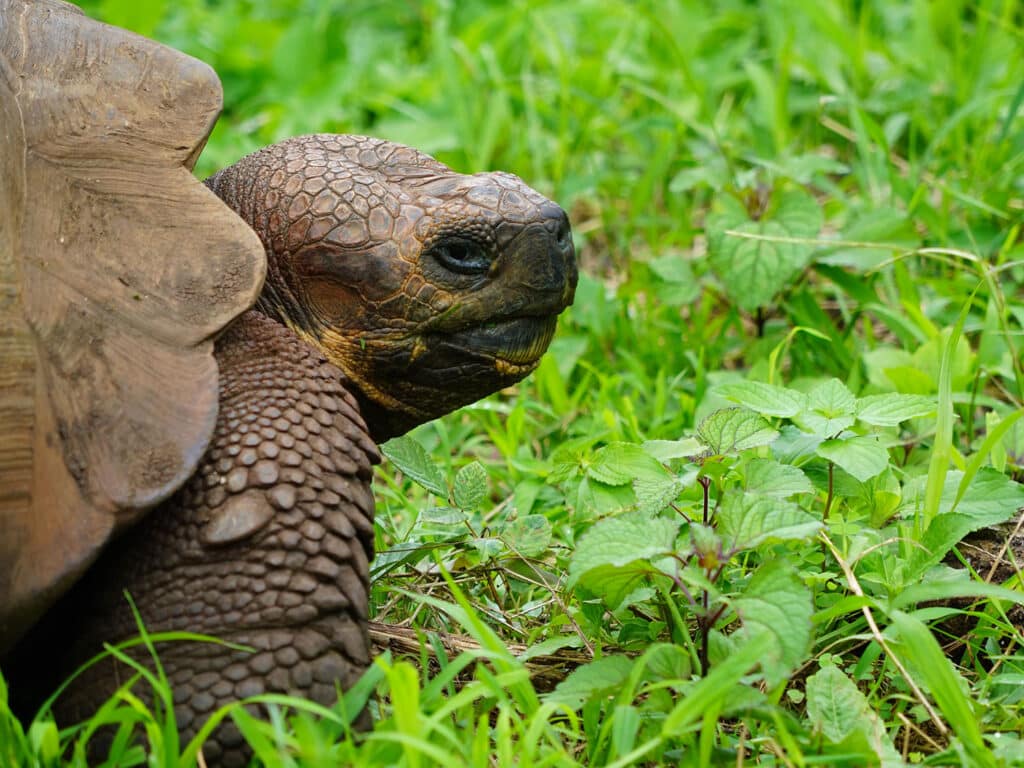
(889, 410)
(614, 557)
(529, 535)
(597, 678)
(831, 408)
(413, 460)
(752, 270)
(834, 705)
(601, 500)
(799, 213)
(654, 494)
(728, 214)
(621, 463)
(776, 603)
(767, 477)
(747, 520)
(838, 711)
(470, 486)
(795, 446)
(766, 399)
(620, 540)
(731, 430)
(667, 661)
(615, 583)
(863, 456)
(666, 450)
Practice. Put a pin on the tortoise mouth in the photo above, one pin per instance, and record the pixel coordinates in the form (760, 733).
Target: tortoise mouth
(515, 344)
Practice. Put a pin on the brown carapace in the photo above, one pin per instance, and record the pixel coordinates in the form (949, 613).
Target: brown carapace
(229, 494)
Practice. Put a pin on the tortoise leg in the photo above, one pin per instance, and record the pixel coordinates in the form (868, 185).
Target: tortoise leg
(267, 545)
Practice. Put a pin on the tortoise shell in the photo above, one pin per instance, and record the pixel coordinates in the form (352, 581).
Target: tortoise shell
(117, 270)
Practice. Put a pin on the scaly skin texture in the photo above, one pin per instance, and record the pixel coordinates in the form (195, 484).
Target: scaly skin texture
(429, 288)
(267, 545)
(397, 290)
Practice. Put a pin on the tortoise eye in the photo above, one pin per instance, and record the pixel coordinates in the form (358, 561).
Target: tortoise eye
(462, 257)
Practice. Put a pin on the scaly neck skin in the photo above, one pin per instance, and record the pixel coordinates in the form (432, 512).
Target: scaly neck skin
(385, 417)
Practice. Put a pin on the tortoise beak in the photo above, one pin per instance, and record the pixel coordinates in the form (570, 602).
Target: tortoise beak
(540, 264)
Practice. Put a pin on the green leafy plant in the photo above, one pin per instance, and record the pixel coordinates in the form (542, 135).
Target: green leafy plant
(751, 508)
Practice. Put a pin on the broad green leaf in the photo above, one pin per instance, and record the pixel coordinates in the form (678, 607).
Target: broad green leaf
(728, 213)
(409, 456)
(614, 583)
(766, 399)
(863, 456)
(599, 677)
(778, 604)
(623, 539)
(992, 498)
(746, 520)
(613, 557)
(667, 661)
(621, 463)
(842, 714)
(666, 450)
(795, 446)
(889, 410)
(731, 430)
(550, 646)
(442, 516)
(770, 478)
(799, 213)
(653, 495)
(601, 500)
(835, 707)
(672, 268)
(830, 409)
(754, 270)
(679, 286)
(470, 486)
(529, 535)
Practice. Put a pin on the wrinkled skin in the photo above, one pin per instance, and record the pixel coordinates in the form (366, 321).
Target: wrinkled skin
(397, 291)
(430, 289)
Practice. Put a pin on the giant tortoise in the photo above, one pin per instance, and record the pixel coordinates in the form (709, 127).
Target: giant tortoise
(194, 378)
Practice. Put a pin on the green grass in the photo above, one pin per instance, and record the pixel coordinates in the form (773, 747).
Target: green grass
(767, 586)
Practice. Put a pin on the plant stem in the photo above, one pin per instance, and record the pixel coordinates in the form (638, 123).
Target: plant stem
(831, 483)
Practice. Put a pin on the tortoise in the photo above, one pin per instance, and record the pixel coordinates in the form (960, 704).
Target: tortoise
(196, 375)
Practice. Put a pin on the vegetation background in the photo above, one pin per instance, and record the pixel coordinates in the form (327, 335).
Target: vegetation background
(760, 505)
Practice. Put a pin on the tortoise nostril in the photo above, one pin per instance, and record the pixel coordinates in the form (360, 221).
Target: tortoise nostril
(564, 235)
(558, 224)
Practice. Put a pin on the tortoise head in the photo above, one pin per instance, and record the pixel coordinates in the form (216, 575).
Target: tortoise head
(430, 289)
